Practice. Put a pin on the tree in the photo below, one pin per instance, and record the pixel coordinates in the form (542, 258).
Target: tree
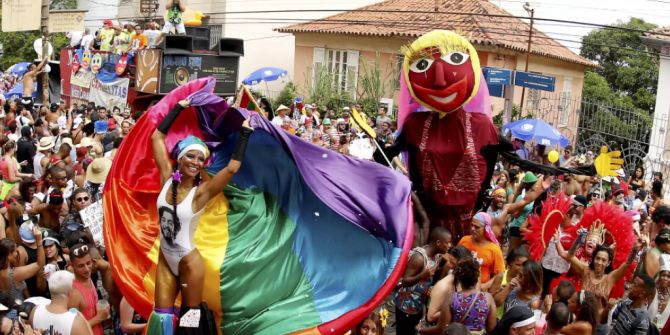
(63, 4)
(632, 74)
(286, 95)
(322, 88)
(373, 85)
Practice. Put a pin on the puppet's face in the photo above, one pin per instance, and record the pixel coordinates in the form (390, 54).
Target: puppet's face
(121, 64)
(96, 63)
(442, 71)
(86, 59)
(75, 64)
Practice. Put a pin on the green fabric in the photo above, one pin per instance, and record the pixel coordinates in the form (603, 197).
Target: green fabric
(158, 323)
(264, 290)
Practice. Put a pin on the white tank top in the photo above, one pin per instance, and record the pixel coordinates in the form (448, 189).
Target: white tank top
(62, 322)
(180, 240)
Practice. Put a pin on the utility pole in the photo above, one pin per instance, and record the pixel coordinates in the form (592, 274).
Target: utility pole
(531, 13)
(45, 51)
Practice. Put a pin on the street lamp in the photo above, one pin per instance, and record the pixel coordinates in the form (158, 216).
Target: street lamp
(531, 13)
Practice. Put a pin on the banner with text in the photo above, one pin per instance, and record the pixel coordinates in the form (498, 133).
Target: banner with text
(91, 216)
(21, 15)
(82, 78)
(63, 21)
(110, 94)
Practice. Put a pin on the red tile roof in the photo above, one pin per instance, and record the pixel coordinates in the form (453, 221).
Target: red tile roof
(490, 25)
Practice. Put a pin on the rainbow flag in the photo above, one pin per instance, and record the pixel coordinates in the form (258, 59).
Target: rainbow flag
(302, 241)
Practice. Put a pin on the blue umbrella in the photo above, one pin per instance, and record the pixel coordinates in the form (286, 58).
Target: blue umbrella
(264, 74)
(17, 92)
(538, 130)
(19, 69)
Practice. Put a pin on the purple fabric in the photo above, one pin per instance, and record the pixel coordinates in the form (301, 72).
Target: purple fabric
(368, 194)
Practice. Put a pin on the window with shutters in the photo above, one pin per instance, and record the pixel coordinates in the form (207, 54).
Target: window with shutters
(342, 66)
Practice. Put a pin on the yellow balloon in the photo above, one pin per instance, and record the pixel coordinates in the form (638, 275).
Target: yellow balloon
(553, 156)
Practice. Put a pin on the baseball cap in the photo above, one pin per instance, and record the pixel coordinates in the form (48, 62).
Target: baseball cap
(579, 200)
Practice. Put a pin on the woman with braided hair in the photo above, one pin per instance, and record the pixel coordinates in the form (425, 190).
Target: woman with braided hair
(180, 203)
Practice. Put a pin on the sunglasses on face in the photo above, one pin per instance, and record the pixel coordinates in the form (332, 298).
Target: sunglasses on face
(82, 199)
(80, 251)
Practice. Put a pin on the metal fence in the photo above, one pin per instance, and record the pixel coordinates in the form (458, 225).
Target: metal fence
(590, 125)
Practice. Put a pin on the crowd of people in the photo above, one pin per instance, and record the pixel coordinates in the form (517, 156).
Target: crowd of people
(487, 282)
(130, 37)
(53, 272)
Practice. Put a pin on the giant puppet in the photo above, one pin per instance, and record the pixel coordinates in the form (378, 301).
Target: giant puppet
(441, 72)
(447, 132)
(284, 251)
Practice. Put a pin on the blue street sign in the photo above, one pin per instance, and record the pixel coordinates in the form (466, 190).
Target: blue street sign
(497, 76)
(496, 90)
(535, 80)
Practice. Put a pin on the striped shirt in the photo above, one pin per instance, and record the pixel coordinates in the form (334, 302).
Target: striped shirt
(629, 321)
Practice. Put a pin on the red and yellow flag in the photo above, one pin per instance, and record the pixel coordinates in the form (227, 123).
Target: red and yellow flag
(246, 100)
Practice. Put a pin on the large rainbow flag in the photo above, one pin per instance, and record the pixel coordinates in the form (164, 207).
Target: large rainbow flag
(302, 241)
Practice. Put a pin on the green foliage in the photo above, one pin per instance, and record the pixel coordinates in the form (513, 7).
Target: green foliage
(323, 89)
(516, 115)
(372, 86)
(632, 76)
(286, 95)
(63, 4)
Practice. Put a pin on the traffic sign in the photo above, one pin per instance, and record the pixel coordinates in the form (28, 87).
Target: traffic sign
(535, 80)
(497, 76)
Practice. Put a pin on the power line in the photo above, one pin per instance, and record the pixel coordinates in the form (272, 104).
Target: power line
(579, 23)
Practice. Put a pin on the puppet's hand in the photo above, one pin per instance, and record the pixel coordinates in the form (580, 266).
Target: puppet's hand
(608, 162)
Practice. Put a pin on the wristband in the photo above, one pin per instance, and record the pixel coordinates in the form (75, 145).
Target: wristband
(241, 146)
(169, 119)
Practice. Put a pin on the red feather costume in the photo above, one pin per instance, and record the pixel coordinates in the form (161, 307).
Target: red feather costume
(618, 234)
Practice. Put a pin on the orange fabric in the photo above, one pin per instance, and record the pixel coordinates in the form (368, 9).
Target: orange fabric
(138, 41)
(489, 255)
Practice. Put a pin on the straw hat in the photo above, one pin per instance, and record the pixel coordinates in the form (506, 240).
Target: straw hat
(282, 108)
(46, 143)
(98, 169)
(85, 142)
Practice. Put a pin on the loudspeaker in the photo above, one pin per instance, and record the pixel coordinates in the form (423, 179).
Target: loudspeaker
(231, 47)
(180, 42)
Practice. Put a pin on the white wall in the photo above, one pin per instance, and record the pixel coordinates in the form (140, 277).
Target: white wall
(264, 47)
(98, 11)
(659, 131)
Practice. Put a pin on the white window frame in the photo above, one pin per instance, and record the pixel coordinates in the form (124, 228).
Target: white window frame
(342, 64)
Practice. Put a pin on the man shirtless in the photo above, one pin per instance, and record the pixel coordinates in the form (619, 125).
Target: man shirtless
(29, 83)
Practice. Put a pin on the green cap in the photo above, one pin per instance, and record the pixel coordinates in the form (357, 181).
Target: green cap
(529, 177)
(326, 121)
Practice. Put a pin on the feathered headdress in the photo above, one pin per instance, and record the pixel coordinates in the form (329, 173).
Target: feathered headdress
(617, 228)
(542, 227)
